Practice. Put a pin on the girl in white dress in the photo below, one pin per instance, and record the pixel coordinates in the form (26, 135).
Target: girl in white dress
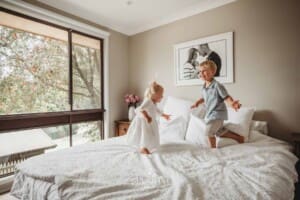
(143, 130)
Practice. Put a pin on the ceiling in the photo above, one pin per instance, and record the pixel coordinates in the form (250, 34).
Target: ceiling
(134, 16)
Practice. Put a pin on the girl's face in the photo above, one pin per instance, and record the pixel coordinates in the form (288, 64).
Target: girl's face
(158, 96)
(206, 73)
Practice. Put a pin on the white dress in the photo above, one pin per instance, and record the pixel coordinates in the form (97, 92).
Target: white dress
(141, 133)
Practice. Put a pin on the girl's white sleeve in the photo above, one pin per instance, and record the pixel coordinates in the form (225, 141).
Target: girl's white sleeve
(143, 106)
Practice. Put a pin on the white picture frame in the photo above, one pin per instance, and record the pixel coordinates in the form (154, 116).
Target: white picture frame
(188, 56)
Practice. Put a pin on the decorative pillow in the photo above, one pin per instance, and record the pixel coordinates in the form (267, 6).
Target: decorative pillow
(174, 129)
(260, 126)
(195, 133)
(239, 121)
(178, 107)
(199, 111)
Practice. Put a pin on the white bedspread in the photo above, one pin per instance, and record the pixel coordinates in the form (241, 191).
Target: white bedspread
(262, 169)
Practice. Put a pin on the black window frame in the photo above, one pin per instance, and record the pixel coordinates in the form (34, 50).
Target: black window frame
(15, 122)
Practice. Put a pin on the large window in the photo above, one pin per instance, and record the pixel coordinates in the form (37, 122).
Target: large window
(34, 67)
(86, 72)
(51, 81)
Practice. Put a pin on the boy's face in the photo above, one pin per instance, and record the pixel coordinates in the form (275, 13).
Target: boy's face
(206, 73)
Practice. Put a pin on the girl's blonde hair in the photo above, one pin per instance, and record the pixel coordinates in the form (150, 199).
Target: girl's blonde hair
(209, 64)
(152, 89)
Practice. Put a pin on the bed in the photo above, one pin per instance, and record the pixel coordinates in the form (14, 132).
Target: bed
(263, 168)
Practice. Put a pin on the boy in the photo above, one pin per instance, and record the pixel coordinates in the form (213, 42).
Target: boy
(214, 95)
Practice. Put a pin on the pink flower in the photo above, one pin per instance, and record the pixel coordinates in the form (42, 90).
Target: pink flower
(131, 99)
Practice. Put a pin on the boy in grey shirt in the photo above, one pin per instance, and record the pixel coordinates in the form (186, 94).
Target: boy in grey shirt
(214, 95)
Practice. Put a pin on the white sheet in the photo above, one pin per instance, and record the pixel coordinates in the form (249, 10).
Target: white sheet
(261, 169)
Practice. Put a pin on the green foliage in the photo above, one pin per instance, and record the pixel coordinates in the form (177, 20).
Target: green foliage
(34, 74)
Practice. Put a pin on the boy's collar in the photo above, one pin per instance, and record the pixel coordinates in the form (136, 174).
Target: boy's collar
(211, 83)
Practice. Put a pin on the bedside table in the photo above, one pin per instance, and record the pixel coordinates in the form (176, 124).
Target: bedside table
(296, 140)
(121, 127)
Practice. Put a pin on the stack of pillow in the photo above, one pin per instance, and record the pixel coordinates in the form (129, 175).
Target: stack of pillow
(187, 124)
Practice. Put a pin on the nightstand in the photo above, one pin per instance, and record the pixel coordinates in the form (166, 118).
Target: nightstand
(121, 127)
(296, 140)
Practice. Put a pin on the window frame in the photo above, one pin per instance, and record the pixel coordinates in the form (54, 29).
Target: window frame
(35, 120)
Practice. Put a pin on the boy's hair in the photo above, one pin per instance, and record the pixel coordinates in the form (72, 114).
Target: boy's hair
(210, 64)
(152, 89)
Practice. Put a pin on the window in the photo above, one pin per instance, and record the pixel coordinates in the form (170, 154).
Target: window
(33, 68)
(86, 72)
(51, 80)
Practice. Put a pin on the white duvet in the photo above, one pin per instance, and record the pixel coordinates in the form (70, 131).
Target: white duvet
(261, 169)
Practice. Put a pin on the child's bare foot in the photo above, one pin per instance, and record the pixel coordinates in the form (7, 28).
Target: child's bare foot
(241, 139)
(236, 137)
(144, 151)
(212, 141)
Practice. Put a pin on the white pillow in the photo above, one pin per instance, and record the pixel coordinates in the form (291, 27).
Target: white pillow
(195, 133)
(239, 121)
(178, 107)
(260, 126)
(172, 130)
(199, 111)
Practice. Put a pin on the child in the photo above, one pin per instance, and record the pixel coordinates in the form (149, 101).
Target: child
(143, 131)
(214, 95)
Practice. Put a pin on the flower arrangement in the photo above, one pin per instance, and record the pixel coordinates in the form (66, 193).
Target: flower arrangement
(132, 99)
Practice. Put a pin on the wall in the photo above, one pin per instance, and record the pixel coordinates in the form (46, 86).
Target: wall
(266, 57)
(118, 66)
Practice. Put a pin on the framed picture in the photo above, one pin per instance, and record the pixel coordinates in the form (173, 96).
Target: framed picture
(188, 56)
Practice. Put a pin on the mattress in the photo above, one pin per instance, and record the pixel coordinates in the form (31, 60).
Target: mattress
(262, 169)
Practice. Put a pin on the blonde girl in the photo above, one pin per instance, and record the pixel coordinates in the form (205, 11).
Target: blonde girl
(143, 131)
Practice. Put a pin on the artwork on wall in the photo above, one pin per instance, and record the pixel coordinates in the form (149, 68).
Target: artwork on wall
(188, 56)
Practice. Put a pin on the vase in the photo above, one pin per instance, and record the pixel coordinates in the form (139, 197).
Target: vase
(131, 112)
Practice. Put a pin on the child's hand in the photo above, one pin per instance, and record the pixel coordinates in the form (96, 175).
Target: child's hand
(149, 119)
(167, 117)
(236, 105)
(197, 103)
(194, 106)
(146, 116)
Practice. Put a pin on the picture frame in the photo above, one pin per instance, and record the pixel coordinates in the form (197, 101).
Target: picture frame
(188, 55)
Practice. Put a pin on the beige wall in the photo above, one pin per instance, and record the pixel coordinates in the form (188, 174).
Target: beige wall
(118, 77)
(118, 66)
(266, 57)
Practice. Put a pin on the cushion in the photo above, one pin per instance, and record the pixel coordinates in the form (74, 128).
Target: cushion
(174, 129)
(260, 126)
(177, 107)
(199, 111)
(195, 133)
(239, 121)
